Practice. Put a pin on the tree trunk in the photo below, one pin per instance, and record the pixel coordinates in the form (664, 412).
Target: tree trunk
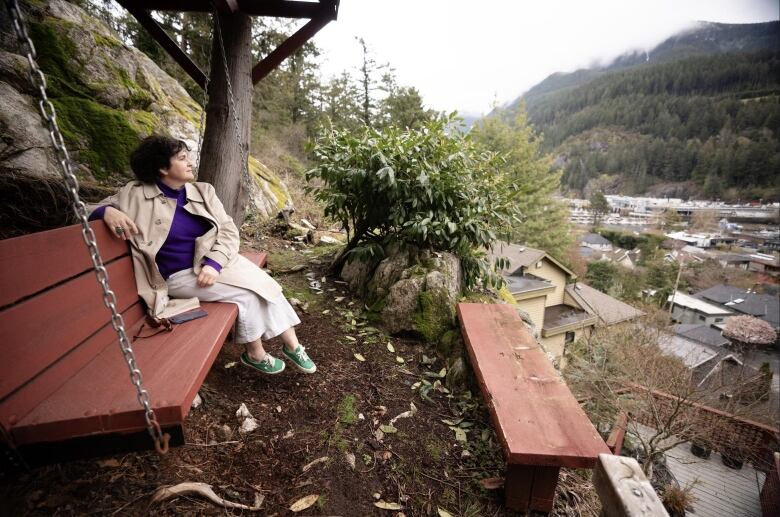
(221, 158)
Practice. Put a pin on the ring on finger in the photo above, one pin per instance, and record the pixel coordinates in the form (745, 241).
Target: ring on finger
(119, 229)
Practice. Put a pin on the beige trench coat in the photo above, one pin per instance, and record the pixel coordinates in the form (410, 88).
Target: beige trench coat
(153, 214)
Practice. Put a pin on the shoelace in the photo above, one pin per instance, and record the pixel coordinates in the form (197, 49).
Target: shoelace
(301, 354)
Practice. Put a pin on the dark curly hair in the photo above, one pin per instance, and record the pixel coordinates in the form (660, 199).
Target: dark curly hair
(152, 154)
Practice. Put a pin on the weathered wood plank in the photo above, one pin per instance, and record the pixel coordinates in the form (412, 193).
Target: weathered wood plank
(31, 263)
(537, 418)
(624, 490)
(37, 332)
(100, 398)
(618, 434)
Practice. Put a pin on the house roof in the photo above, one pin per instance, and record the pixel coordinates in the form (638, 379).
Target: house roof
(764, 306)
(526, 283)
(733, 258)
(609, 310)
(697, 304)
(701, 334)
(558, 318)
(691, 353)
(595, 238)
(522, 256)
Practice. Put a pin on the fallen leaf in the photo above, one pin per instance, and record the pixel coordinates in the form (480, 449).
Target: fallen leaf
(390, 348)
(350, 459)
(243, 413)
(248, 425)
(278, 409)
(338, 299)
(350, 338)
(326, 311)
(399, 359)
(406, 414)
(379, 435)
(460, 434)
(387, 506)
(304, 503)
(359, 357)
(288, 434)
(231, 364)
(109, 463)
(388, 429)
(492, 483)
(444, 513)
(315, 462)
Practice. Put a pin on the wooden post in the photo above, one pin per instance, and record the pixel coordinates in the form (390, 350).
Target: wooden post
(221, 159)
(529, 487)
(624, 490)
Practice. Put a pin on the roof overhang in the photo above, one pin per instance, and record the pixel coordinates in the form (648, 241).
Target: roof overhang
(320, 14)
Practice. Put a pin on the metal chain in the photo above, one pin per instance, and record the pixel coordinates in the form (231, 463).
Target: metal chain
(244, 156)
(38, 81)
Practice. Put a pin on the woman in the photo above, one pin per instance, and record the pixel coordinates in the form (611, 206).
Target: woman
(184, 245)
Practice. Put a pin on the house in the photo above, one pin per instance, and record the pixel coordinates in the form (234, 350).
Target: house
(542, 287)
(620, 257)
(700, 333)
(764, 263)
(732, 260)
(608, 310)
(688, 309)
(740, 301)
(596, 242)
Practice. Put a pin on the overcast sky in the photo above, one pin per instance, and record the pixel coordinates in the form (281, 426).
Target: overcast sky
(465, 55)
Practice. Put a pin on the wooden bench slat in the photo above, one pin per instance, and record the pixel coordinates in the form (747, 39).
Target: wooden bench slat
(62, 251)
(173, 364)
(537, 418)
(17, 405)
(37, 332)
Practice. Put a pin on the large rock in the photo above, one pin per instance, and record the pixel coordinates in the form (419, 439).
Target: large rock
(108, 96)
(414, 291)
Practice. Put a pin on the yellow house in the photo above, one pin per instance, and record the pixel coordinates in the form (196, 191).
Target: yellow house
(561, 309)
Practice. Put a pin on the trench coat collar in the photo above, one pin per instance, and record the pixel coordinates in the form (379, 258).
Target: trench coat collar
(193, 193)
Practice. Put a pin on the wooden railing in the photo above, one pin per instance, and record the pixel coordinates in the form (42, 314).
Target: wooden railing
(720, 431)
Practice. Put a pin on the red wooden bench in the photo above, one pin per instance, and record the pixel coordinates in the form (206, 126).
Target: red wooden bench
(65, 390)
(539, 422)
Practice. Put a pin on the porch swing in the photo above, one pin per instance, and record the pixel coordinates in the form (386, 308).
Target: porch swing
(62, 393)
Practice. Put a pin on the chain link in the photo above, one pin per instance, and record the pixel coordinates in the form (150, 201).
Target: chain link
(243, 149)
(49, 114)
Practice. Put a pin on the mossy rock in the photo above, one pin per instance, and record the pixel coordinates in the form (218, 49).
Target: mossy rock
(103, 136)
(434, 316)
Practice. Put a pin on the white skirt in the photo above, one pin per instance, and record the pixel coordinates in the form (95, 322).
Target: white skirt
(256, 317)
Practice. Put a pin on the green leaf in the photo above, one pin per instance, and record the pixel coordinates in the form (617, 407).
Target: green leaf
(388, 429)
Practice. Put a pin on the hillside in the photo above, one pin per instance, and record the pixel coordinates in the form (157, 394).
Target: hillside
(700, 112)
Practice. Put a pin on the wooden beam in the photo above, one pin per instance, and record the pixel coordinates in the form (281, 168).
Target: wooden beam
(161, 37)
(624, 490)
(274, 8)
(288, 46)
(230, 6)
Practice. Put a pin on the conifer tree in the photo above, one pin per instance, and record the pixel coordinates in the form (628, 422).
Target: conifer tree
(545, 220)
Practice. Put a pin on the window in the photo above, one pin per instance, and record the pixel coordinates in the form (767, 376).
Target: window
(718, 320)
(569, 338)
(539, 265)
(701, 318)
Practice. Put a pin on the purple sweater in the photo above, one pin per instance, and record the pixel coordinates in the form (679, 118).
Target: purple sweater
(178, 250)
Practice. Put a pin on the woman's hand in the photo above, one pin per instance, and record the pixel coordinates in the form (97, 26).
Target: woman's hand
(119, 223)
(208, 275)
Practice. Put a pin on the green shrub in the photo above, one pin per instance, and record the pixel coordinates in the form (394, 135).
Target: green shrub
(429, 187)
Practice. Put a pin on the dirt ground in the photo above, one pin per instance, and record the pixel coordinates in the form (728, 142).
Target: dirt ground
(322, 435)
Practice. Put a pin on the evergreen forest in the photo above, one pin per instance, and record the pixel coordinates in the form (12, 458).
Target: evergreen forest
(694, 124)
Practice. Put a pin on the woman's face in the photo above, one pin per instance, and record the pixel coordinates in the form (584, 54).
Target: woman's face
(179, 171)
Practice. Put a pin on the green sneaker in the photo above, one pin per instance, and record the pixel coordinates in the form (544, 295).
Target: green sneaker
(301, 359)
(270, 365)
